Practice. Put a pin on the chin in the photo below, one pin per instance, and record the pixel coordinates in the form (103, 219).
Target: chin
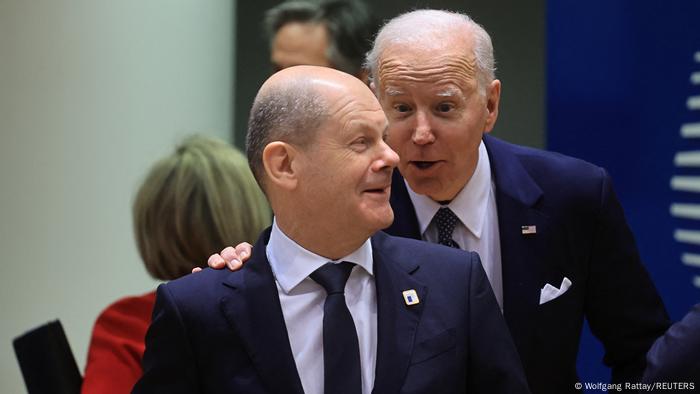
(380, 221)
(386, 221)
(426, 188)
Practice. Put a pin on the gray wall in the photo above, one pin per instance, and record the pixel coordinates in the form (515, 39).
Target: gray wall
(516, 27)
(91, 93)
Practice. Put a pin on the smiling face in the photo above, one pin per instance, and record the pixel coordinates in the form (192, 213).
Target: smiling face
(347, 169)
(437, 112)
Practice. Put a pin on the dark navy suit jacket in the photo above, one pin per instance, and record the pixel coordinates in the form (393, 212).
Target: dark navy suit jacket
(581, 234)
(224, 332)
(675, 357)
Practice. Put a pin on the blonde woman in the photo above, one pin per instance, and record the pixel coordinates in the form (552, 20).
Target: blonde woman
(192, 203)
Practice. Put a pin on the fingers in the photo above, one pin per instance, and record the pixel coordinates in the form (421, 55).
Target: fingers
(216, 262)
(231, 258)
(196, 269)
(244, 250)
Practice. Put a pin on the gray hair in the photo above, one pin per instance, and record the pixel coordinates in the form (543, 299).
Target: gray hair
(291, 113)
(349, 24)
(422, 26)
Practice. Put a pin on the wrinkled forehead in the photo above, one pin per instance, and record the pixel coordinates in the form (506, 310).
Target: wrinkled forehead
(401, 65)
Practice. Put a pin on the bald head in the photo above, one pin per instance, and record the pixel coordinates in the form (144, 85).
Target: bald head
(293, 104)
(317, 146)
(425, 31)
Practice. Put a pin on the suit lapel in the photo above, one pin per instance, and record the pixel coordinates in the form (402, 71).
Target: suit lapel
(521, 254)
(253, 310)
(405, 220)
(396, 321)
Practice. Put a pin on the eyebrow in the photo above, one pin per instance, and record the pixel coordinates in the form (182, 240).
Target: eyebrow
(393, 92)
(448, 92)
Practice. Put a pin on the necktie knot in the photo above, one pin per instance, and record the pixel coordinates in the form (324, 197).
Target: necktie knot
(446, 220)
(333, 276)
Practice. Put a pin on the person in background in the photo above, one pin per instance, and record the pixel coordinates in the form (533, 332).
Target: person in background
(335, 33)
(192, 202)
(549, 228)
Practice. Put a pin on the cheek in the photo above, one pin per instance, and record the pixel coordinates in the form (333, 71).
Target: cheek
(398, 136)
(458, 140)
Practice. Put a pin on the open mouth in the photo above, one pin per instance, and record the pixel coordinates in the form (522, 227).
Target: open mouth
(423, 165)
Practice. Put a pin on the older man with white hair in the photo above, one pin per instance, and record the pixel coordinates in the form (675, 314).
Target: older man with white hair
(550, 231)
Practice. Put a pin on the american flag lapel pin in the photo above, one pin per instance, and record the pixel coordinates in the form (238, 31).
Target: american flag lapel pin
(528, 229)
(410, 297)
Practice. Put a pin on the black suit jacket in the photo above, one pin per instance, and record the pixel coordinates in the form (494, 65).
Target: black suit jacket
(224, 332)
(581, 234)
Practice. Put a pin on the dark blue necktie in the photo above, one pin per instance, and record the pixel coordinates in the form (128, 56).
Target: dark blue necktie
(341, 350)
(446, 220)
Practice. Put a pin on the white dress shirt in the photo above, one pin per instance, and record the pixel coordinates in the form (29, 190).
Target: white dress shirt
(302, 302)
(475, 206)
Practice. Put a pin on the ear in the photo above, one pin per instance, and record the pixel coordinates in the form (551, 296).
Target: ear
(493, 98)
(278, 160)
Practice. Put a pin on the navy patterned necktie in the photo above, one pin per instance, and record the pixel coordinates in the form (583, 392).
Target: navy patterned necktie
(446, 220)
(341, 349)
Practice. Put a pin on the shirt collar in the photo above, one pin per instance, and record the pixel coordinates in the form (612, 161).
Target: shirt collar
(470, 203)
(291, 263)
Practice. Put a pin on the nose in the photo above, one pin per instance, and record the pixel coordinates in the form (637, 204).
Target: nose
(423, 133)
(388, 159)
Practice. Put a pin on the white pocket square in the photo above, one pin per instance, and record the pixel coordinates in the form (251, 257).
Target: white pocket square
(549, 292)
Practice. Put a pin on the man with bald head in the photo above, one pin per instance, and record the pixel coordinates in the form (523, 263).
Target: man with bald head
(327, 303)
(549, 229)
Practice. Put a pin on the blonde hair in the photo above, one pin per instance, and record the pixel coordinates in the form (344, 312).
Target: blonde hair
(193, 203)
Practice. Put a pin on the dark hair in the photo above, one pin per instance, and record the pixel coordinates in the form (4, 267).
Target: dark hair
(291, 113)
(350, 26)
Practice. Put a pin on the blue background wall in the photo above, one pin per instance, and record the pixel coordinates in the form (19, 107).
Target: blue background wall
(620, 87)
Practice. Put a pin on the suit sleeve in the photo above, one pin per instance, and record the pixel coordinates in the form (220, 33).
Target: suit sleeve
(168, 362)
(493, 362)
(675, 357)
(622, 305)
